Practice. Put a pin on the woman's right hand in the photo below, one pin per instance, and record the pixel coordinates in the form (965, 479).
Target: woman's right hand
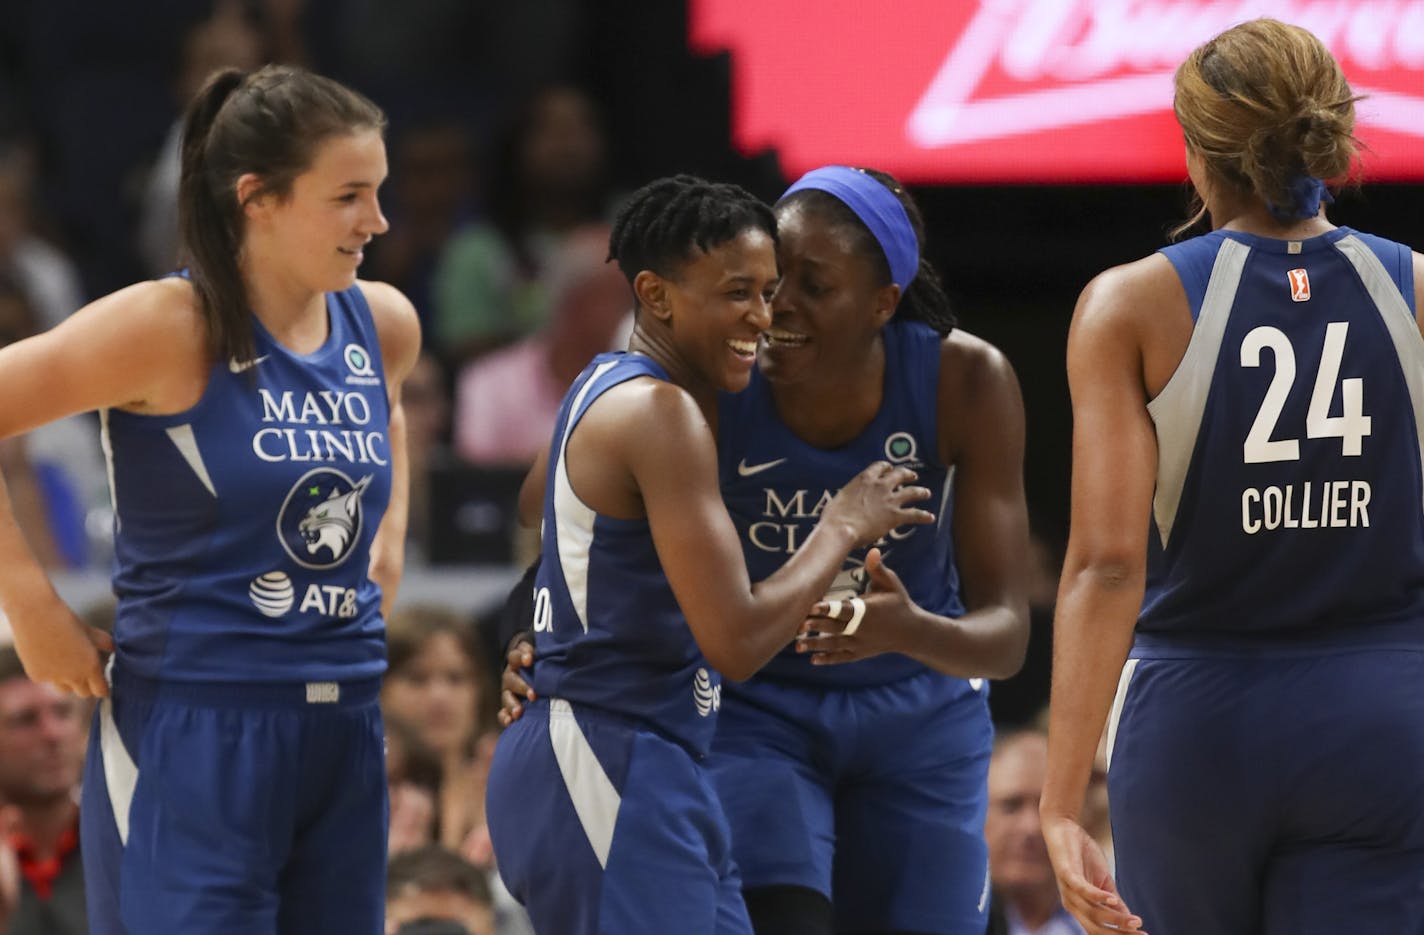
(63, 651)
(517, 661)
(874, 502)
(1085, 883)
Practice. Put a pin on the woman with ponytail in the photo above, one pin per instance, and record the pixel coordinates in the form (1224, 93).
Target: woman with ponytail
(251, 414)
(853, 766)
(1243, 594)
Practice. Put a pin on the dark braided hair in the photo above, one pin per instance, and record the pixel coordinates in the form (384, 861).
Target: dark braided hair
(667, 221)
(924, 300)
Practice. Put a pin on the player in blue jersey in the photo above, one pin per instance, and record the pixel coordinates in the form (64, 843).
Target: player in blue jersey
(601, 813)
(856, 793)
(235, 779)
(1246, 561)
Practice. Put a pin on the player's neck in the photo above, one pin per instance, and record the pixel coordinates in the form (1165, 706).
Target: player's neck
(1251, 216)
(832, 406)
(657, 344)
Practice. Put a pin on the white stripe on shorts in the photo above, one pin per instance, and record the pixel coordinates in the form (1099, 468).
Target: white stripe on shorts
(120, 771)
(595, 799)
(1123, 681)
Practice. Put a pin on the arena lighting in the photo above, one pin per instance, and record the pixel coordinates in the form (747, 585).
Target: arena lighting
(1020, 91)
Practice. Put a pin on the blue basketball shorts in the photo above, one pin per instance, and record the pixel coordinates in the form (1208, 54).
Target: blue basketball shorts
(602, 827)
(1271, 795)
(873, 796)
(227, 809)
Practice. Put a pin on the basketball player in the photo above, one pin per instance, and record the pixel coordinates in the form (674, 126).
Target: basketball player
(857, 793)
(601, 813)
(235, 779)
(1247, 455)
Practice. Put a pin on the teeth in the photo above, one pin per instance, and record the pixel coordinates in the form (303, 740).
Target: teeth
(742, 347)
(785, 337)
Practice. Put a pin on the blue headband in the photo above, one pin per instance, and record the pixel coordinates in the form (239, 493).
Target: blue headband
(878, 209)
(1306, 194)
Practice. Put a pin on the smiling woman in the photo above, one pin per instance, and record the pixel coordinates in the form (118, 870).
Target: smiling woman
(251, 410)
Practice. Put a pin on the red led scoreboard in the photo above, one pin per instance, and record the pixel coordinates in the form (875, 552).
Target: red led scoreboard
(1059, 91)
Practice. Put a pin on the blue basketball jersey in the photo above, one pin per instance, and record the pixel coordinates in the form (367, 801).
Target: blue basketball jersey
(1289, 484)
(243, 525)
(608, 632)
(775, 486)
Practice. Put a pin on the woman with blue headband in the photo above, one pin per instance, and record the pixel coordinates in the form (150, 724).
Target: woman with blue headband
(1246, 563)
(853, 766)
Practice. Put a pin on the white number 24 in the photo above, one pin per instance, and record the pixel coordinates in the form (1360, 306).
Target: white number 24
(1351, 426)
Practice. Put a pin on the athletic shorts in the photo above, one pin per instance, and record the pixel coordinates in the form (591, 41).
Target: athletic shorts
(1271, 795)
(873, 796)
(227, 809)
(601, 826)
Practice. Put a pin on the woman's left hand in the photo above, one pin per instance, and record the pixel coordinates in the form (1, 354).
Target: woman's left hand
(836, 632)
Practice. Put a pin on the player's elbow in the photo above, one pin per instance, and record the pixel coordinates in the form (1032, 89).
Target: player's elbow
(1106, 569)
(735, 664)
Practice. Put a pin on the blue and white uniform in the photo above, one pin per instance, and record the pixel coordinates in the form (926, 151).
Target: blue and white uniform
(865, 781)
(1267, 741)
(235, 781)
(599, 806)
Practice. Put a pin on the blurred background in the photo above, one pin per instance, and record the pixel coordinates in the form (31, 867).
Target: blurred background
(1037, 135)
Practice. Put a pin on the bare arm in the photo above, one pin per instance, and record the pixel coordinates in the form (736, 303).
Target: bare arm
(981, 406)
(531, 492)
(982, 434)
(399, 330)
(141, 348)
(738, 625)
(1114, 472)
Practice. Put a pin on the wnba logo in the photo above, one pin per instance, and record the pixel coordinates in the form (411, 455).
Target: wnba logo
(1299, 285)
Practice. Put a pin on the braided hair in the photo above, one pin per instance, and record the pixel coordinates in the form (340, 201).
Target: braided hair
(667, 221)
(924, 299)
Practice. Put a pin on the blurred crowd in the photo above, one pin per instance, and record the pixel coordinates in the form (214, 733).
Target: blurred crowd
(499, 196)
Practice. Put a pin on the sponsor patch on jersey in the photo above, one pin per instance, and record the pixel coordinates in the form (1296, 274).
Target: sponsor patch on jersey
(900, 448)
(705, 695)
(320, 521)
(1299, 285)
(272, 594)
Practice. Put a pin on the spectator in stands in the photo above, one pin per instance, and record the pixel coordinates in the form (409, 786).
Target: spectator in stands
(38, 268)
(41, 757)
(229, 38)
(413, 776)
(429, 195)
(506, 402)
(548, 177)
(425, 397)
(432, 885)
(1023, 889)
(437, 683)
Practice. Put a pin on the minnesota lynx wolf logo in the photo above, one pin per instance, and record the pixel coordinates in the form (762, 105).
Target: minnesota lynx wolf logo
(320, 521)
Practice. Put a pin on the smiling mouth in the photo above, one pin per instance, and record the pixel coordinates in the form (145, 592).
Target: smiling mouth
(777, 337)
(356, 254)
(743, 347)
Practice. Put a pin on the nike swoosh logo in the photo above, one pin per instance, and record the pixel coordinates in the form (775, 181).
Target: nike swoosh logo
(238, 366)
(747, 470)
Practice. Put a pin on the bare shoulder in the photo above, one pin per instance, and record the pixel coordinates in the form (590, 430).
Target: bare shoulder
(662, 411)
(971, 365)
(160, 308)
(980, 403)
(397, 324)
(1126, 295)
